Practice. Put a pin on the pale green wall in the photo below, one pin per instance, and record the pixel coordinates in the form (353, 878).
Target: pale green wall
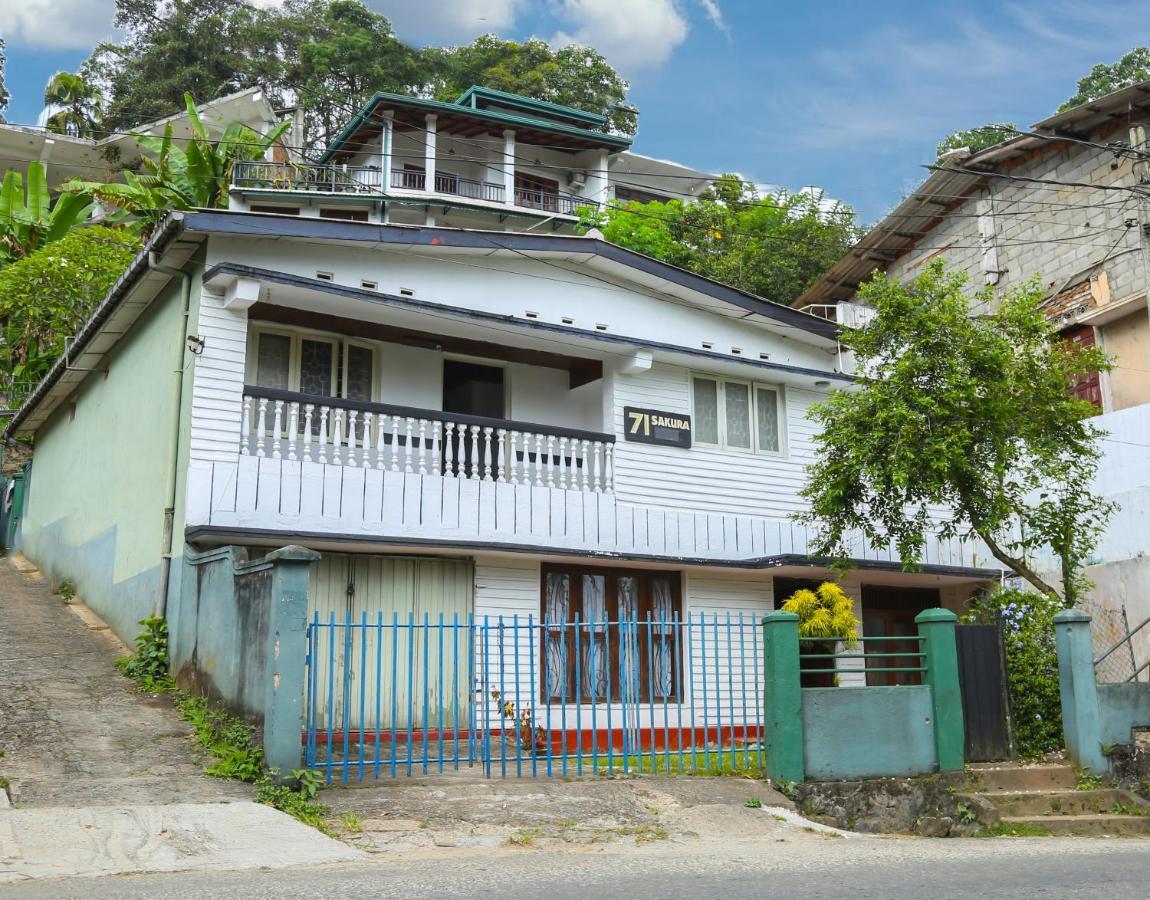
(95, 510)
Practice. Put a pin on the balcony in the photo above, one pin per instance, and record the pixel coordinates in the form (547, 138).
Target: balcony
(368, 181)
(285, 425)
(446, 183)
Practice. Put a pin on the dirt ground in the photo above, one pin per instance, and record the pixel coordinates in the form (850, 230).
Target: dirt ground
(72, 730)
(467, 811)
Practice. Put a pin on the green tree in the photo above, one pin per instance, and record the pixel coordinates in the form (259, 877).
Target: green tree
(774, 246)
(977, 138)
(194, 176)
(1131, 69)
(972, 414)
(573, 76)
(50, 293)
(74, 105)
(29, 218)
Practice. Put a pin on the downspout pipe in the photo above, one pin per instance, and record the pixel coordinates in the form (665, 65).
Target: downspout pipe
(166, 550)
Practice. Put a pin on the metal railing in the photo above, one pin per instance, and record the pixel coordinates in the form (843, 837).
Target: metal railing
(467, 187)
(306, 177)
(548, 201)
(388, 696)
(892, 665)
(286, 425)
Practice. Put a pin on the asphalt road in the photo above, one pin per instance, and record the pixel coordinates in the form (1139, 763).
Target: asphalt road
(861, 868)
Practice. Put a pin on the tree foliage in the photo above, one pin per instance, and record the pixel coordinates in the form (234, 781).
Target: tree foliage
(50, 293)
(1027, 622)
(977, 139)
(73, 105)
(774, 245)
(194, 176)
(971, 414)
(1104, 78)
(29, 217)
(329, 56)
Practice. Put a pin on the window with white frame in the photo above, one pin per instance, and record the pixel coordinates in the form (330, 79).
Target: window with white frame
(312, 363)
(738, 415)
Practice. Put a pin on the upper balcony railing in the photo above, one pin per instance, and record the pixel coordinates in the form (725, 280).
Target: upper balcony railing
(447, 183)
(564, 204)
(286, 425)
(301, 177)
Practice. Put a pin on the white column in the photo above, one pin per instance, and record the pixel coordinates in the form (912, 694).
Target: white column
(386, 142)
(429, 154)
(509, 167)
(599, 192)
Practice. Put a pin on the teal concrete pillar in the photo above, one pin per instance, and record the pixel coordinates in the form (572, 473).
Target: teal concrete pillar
(19, 489)
(286, 651)
(1080, 716)
(936, 627)
(782, 698)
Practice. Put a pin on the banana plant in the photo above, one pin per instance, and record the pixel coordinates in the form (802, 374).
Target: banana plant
(28, 217)
(196, 176)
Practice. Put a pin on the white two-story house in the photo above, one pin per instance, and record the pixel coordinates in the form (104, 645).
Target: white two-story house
(471, 422)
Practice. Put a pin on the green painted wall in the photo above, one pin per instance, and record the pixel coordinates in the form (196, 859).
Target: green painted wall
(865, 732)
(95, 510)
(1123, 707)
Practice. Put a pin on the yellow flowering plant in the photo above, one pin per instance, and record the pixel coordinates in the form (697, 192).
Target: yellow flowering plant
(824, 613)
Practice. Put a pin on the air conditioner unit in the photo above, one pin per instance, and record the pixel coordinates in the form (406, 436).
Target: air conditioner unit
(577, 179)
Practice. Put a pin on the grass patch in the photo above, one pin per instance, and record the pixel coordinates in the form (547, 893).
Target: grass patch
(753, 803)
(4, 782)
(66, 591)
(351, 822)
(524, 837)
(697, 762)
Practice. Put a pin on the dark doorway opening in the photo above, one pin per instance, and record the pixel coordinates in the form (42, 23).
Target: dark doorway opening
(471, 389)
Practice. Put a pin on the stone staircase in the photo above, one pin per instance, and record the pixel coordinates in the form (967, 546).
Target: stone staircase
(1046, 798)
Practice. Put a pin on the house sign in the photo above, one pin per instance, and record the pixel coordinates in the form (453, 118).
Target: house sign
(656, 426)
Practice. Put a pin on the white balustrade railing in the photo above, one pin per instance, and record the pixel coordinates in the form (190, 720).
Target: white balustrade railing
(282, 425)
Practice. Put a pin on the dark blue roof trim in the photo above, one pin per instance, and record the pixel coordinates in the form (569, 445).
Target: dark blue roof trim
(215, 533)
(327, 287)
(258, 224)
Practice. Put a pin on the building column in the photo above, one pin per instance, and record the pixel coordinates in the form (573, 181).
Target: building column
(936, 627)
(509, 167)
(782, 698)
(1081, 720)
(429, 154)
(285, 652)
(386, 142)
(599, 190)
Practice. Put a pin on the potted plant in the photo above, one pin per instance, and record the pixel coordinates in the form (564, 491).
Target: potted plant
(826, 613)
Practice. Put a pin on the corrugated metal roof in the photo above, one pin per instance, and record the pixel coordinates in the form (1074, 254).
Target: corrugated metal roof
(945, 190)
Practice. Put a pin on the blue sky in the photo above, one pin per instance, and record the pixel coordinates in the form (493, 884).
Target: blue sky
(848, 96)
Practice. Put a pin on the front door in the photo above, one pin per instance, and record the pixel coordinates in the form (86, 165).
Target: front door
(890, 612)
(471, 389)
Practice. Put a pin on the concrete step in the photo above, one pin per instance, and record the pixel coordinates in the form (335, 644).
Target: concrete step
(1003, 778)
(1062, 803)
(1084, 825)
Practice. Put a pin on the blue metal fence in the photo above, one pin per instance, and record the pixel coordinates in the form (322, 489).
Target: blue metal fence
(516, 696)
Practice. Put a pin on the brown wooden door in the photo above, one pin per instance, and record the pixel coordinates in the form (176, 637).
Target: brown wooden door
(890, 612)
(1085, 387)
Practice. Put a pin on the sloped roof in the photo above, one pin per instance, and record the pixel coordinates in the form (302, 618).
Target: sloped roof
(946, 189)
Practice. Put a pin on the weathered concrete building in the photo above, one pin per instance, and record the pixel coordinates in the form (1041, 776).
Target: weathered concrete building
(1065, 203)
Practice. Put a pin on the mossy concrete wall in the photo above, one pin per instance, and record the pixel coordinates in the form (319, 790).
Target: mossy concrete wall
(95, 507)
(863, 732)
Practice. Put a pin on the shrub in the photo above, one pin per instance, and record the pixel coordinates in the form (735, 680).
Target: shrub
(148, 666)
(1027, 621)
(825, 613)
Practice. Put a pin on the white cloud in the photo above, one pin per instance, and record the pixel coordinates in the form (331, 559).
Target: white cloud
(56, 23)
(446, 19)
(715, 14)
(631, 34)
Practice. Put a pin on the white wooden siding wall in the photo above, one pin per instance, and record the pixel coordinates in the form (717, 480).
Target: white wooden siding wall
(218, 383)
(508, 588)
(708, 478)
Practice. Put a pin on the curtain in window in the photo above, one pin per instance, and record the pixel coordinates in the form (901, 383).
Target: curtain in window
(737, 406)
(628, 590)
(706, 422)
(593, 639)
(767, 407)
(555, 614)
(273, 361)
(662, 638)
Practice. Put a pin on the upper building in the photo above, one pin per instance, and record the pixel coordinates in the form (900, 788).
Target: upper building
(489, 160)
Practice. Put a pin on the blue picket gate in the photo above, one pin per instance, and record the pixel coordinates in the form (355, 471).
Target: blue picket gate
(516, 696)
